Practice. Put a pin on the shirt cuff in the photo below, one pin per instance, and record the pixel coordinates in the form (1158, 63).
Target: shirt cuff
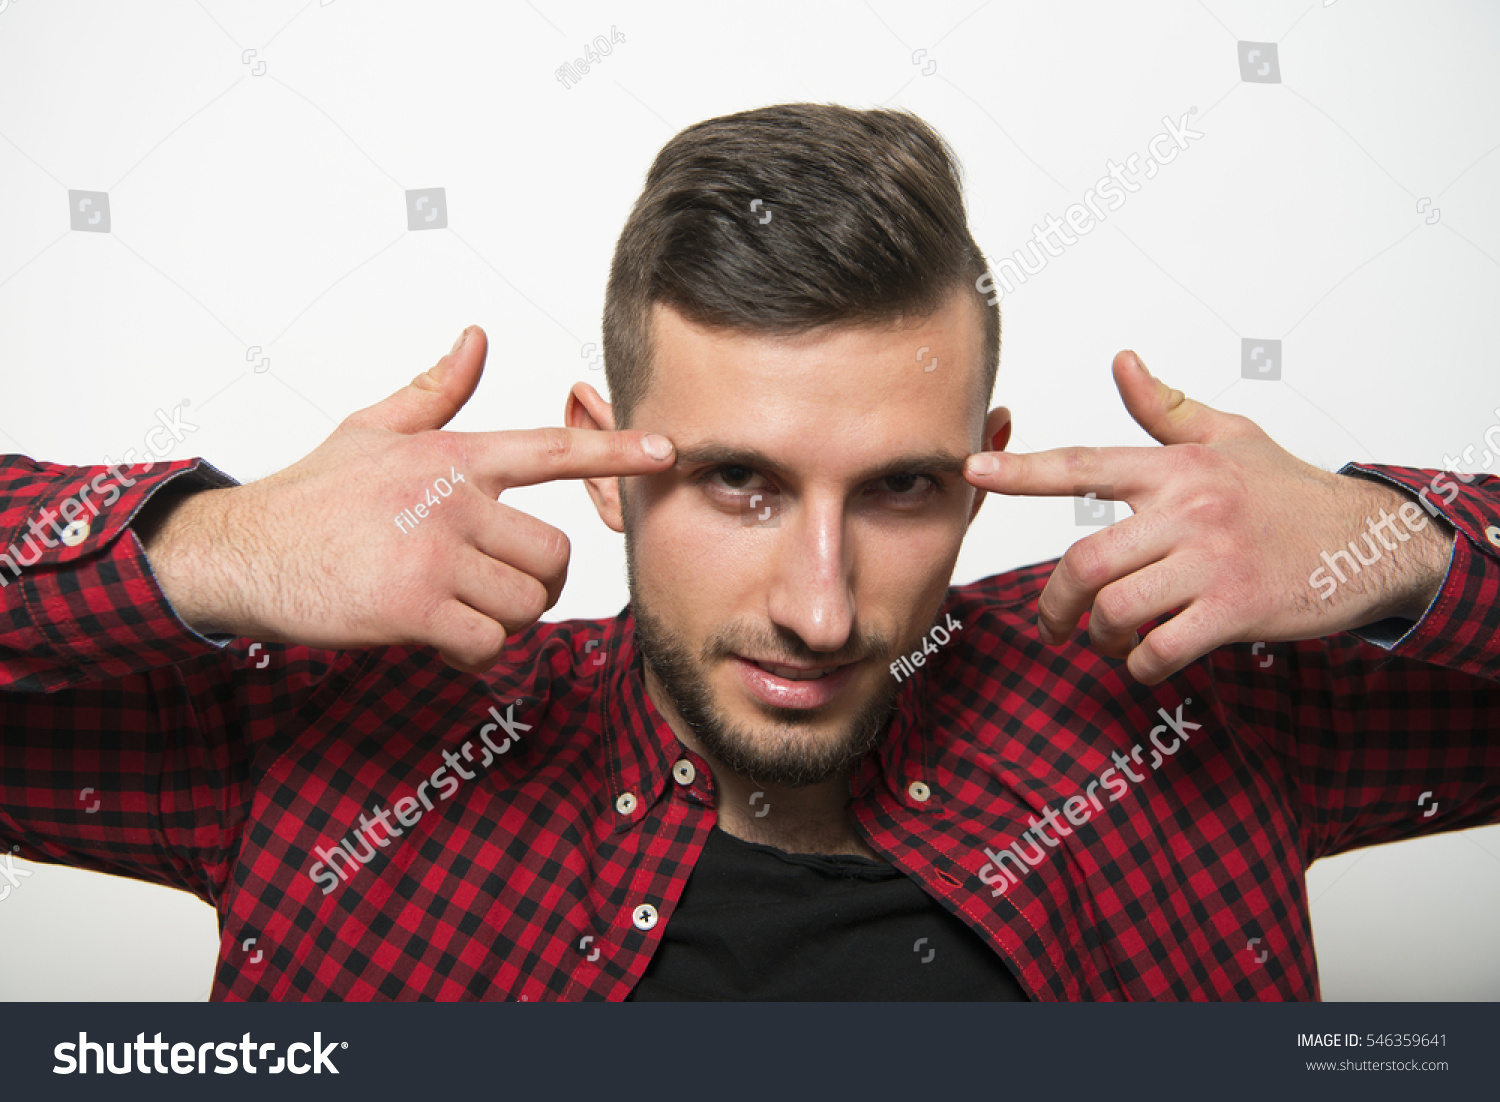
(92, 606)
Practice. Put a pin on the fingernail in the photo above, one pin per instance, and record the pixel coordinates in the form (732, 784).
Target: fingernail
(461, 338)
(1045, 634)
(657, 447)
(1140, 363)
(983, 464)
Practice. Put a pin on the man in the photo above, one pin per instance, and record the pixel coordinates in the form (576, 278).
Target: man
(799, 765)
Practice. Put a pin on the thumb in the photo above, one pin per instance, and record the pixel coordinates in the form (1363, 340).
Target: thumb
(431, 399)
(1167, 414)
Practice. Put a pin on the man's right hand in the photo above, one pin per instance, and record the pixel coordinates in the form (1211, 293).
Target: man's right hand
(313, 554)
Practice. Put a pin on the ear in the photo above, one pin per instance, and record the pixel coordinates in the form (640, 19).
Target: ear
(585, 409)
(996, 435)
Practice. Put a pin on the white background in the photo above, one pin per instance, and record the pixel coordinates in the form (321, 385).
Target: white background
(268, 210)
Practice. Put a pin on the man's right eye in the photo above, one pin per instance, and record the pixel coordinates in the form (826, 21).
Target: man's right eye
(732, 476)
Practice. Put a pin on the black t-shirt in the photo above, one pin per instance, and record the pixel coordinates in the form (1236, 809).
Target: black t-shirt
(757, 923)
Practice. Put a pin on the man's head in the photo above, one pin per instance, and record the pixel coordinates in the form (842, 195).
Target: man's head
(784, 218)
(792, 303)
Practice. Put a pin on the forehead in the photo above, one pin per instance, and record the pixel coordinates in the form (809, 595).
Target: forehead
(910, 384)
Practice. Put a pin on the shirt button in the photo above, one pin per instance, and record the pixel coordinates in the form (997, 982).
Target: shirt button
(1493, 531)
(918, 791)
(684, 772)
(626, 803)
(78, 530)
(644, 916)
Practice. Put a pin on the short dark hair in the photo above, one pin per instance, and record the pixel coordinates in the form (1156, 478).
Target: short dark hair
(866, 224)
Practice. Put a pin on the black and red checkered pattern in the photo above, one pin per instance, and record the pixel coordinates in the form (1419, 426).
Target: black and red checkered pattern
(546, 861)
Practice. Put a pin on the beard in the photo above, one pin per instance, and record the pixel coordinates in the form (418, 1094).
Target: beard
(787, 750)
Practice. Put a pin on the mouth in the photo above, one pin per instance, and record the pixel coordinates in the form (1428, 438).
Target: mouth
(796, 673)
(780, 685)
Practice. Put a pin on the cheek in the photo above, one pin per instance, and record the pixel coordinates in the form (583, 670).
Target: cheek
(906, 571)
(694, 561)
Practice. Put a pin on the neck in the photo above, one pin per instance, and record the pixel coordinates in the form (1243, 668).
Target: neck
(812, 818)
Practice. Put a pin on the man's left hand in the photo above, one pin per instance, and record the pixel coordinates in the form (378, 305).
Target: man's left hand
(1228, 527)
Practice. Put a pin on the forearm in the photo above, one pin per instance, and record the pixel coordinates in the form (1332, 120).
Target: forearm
(1416, 551)
(1457, 629)
(194, 544)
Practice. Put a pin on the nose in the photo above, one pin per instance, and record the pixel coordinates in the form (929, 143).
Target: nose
(812, 592)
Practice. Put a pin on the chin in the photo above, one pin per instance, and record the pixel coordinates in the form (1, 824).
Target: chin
(734, 711)
(786, 747)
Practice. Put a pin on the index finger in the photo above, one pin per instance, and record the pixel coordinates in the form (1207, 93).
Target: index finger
(1112, 473)
(525, 457)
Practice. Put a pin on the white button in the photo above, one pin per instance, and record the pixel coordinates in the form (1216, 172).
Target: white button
(76, 532)
(918, 791)
(684, 772)
(644, 917)
(1493, 531)
(626, 803)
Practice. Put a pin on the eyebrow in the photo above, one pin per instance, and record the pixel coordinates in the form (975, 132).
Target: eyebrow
(937, 461)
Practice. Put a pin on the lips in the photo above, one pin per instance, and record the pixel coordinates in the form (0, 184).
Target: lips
(795, 673)
(780, 686)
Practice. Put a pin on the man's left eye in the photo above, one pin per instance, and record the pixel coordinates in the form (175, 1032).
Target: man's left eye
(907, 485)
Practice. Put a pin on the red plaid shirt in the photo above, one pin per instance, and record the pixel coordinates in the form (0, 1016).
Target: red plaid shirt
(542, 857)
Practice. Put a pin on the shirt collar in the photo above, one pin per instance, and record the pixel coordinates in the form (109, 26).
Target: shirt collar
(904, 757)
(640, 746)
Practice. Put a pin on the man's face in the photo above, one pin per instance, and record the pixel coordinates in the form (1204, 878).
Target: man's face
(807, 532)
